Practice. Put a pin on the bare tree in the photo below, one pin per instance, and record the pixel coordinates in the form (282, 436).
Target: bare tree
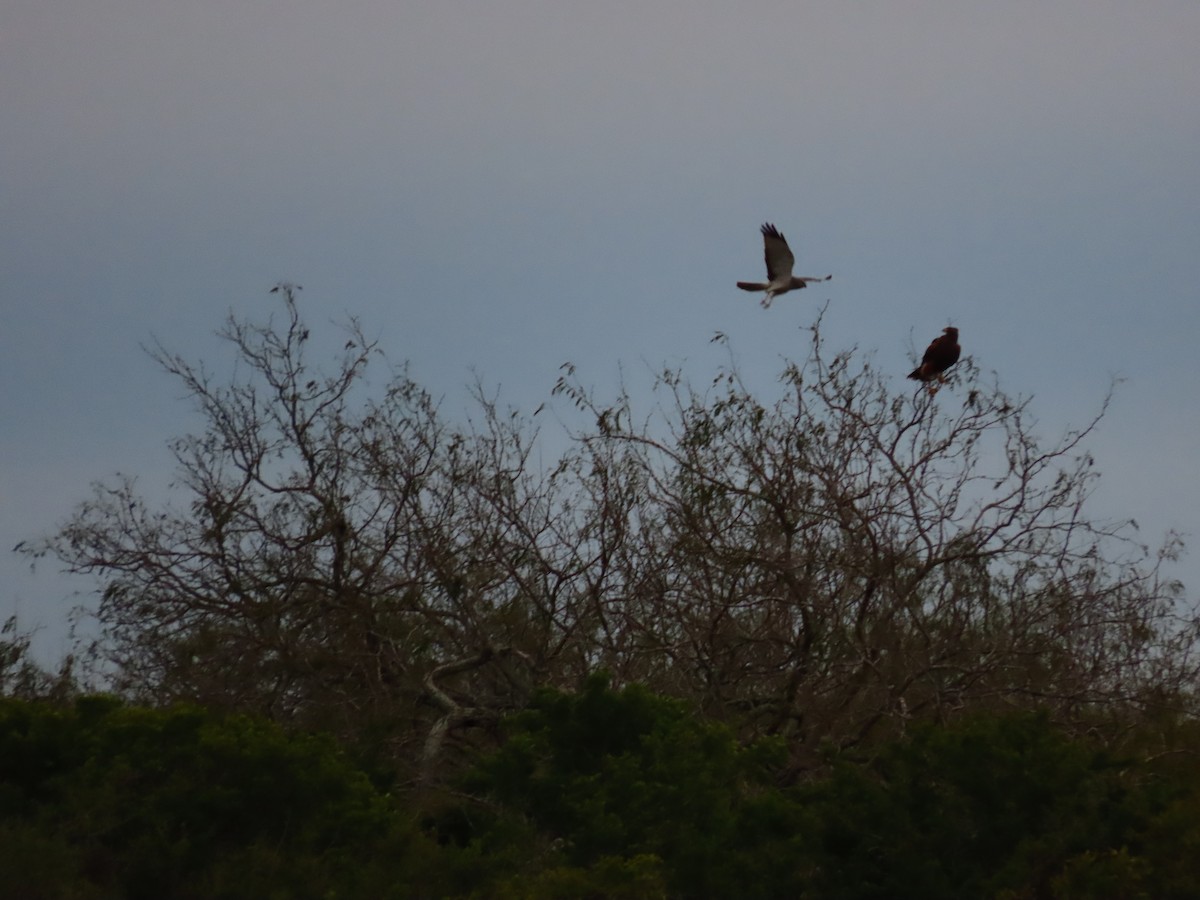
(849, 558)
(825, 566)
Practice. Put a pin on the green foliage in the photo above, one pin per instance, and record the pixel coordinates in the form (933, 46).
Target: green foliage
(111, 800)
(628, 774)
(994, 806)
(610, 878)
(1005, 807)
(600, 794)
(20, 676)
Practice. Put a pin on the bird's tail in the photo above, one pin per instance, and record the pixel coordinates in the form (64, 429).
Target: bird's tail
(752, 285)
(917, 375)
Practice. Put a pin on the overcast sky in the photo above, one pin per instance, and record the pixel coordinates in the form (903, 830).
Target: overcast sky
(505, 186)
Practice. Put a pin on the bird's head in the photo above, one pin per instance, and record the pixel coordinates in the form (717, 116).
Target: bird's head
(951, 332)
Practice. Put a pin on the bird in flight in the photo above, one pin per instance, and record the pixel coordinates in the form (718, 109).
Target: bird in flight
(940, 355)
(780, 260)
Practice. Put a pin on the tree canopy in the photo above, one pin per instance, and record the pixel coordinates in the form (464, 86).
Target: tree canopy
(828, 565)
(103, 800)
(838, 638)
(598, 793)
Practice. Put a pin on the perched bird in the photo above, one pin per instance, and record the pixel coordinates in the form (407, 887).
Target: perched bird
(940, 355)
(779, 260)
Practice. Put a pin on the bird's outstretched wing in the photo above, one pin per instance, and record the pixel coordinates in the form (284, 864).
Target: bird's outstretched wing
(777, 254)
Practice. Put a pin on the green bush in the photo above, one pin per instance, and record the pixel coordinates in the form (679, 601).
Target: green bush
(100, 799)
(599, 794)
(626, 774)
(1004, 806)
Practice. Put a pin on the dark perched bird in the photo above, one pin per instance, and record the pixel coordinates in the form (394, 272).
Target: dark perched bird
(939, 356)
(779, 259)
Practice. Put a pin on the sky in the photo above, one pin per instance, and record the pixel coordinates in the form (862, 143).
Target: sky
(493, 189)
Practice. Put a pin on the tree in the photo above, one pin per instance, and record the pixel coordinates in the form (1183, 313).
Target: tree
(20, 676)
(850, 558)
(993, 805)
(606, 778)
(98, 799)
(826, 566)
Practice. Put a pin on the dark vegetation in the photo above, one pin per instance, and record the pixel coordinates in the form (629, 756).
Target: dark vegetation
(599, 793)
(844, 642)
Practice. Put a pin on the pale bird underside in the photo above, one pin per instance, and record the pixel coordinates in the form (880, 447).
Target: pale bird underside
(780, 262)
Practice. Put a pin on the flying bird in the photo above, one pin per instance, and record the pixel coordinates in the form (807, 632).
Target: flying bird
(940, 355)
(780, 261)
